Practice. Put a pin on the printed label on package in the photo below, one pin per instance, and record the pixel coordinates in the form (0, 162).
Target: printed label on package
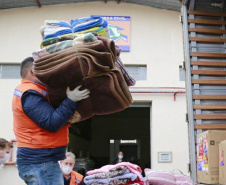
(221, 157)
(202, 153)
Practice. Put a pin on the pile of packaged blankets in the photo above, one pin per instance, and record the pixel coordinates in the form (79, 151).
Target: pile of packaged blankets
(124, 173)
(160, 177)
(87, 59)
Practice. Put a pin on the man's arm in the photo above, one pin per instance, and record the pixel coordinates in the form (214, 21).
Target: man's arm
(43, 114)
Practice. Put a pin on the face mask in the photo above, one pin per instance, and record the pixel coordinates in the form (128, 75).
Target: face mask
(120, 156)
(5, 158)
(66, 169)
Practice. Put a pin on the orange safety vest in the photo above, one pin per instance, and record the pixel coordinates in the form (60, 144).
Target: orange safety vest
(27, 132)
(76, 178)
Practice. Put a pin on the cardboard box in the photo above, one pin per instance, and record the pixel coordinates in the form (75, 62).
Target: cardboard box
(208, 156)
(222, 164)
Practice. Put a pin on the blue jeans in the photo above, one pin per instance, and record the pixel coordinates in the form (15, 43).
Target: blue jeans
(41, 174)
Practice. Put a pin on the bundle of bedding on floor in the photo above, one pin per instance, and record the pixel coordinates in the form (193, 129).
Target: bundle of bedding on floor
(124, 173)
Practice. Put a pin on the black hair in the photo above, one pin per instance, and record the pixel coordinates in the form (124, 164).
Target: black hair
(26, 65)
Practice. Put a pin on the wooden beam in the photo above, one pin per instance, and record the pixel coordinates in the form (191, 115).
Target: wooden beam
(210, 126)
(210, 116)
(209, 107)
(206, 21)
(38, 3)
(208, 55)
(208, 72)
(209, 97)
(209, 82)
(217, 14)
(204, 30)
(210, 40)
(208, 63)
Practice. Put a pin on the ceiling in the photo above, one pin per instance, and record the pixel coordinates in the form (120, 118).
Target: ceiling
(162, 4)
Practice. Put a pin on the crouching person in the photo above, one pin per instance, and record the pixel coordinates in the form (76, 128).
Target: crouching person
(70, 177)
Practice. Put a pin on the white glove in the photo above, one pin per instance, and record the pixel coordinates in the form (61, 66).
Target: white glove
(76, 95)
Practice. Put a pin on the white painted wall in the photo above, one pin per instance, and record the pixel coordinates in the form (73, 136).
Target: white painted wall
(156, 40)
(6, 129)
(9, 176)
(6, 125)
(168, 129)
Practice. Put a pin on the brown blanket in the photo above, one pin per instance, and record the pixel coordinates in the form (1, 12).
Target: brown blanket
(91, 65)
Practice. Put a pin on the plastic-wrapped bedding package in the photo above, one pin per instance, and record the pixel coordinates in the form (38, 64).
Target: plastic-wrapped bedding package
(160, 177)
(67, 58)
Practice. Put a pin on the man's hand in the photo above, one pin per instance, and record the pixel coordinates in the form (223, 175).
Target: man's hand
(76, 95)
(75, 118)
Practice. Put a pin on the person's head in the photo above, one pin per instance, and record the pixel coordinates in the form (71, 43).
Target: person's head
(5, 145)
(26, 69)
(4, 150)
(68, 163)
(120, 155)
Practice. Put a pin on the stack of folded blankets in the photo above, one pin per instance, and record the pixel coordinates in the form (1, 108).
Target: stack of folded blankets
(124, 173)
(87, 60)
(93, 24)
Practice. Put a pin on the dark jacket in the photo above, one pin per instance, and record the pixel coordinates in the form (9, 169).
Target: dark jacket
(116, 161)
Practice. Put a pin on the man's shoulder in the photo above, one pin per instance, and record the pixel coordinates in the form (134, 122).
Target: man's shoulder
(32, 87)
(27, 85)
(77, 175)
